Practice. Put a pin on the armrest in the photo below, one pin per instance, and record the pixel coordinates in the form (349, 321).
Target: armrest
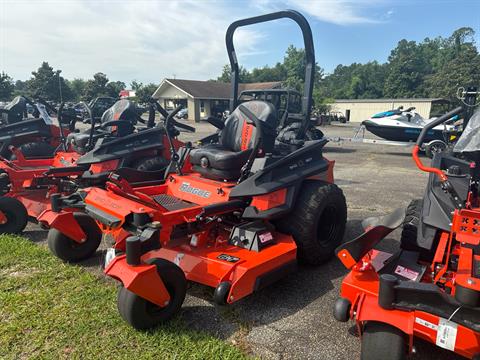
(218, 123)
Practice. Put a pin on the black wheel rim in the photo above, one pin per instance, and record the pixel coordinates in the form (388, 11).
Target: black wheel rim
(437, 148)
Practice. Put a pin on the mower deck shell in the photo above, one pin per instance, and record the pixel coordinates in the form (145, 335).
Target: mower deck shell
(204, 265)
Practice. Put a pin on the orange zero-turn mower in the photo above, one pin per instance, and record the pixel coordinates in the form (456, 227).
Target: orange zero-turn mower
(34, 137)
(236, 229)
(28, 185)
(429, 288)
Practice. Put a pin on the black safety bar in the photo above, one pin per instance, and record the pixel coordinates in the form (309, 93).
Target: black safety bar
(437, 122)
(309, 54)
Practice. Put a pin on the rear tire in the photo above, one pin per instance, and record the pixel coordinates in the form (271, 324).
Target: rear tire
(317, 222)
(16, 214)
(151, 164)
(410, 225)
(141, 313)
(71, 251)
(36, 150)
(382, 341)
(434, 147)
(314, 134)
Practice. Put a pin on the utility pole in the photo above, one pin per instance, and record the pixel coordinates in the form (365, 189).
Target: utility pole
(60, 85)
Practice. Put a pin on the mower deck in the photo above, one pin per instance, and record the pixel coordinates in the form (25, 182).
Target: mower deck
(246, 270)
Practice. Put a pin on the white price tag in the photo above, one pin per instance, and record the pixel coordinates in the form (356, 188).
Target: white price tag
(446, 334)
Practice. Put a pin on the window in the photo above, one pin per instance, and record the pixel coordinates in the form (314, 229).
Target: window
(295, 104)
(202, 106)
(283, 102)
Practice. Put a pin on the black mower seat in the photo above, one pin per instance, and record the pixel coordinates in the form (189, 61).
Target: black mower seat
(218, 157)
(223, 161)
(15, 110)
(79, 141)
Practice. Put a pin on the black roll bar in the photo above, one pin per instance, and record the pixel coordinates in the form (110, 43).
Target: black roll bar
(309, 55)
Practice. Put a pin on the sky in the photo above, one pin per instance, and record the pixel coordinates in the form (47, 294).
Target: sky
(149, 40)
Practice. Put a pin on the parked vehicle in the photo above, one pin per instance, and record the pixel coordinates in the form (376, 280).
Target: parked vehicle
(406, 125)
(182, 114)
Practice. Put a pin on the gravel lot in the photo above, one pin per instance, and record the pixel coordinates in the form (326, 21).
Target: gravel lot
(293, 318)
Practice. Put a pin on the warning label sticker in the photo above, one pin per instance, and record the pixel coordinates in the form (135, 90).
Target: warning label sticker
(265, 237)
(406, 273)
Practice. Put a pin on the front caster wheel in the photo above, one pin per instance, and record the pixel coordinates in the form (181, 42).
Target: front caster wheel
(220, 296)
(141, 313)
(70, 250)
(382, 341)
(13, 216)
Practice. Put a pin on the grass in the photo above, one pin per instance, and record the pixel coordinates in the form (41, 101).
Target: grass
(52, 310)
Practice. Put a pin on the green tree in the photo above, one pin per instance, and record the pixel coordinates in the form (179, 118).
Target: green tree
(136, 85)
(48, 84)
(21, 88)
(244, 75)
(6, 87)
(145, 92)
(461, 68)
(406, 71)
(78, 88)
(114, 87)
(267, 74)
(462, 39)
(294, 63)
(96, 87)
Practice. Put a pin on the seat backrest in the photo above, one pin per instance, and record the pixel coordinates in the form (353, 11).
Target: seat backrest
(122, 110)
(240, 133)
(16, 110)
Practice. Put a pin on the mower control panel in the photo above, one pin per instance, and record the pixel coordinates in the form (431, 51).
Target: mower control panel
(253, 236)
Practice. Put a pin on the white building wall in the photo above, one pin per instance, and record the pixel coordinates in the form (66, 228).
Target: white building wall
(360, 111)
(169, 92)
(193, 110)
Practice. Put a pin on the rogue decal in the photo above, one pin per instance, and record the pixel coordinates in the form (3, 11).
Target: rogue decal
(185, 187)
(228, 258)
